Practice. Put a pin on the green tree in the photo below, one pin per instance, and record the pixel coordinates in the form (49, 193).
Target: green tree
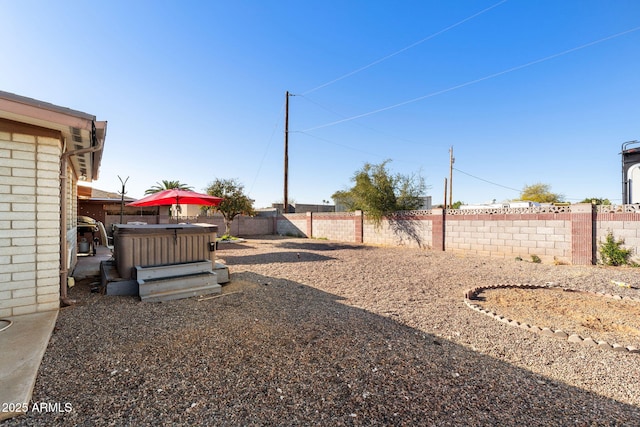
(379, 193)
(455, 205)
(167, 185)
(235, 201)
(596, 201)
(540, 193)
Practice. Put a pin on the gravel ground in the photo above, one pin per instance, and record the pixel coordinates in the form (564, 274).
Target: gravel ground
(320, 333)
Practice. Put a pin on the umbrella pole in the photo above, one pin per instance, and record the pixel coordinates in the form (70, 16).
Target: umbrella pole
(177, 207)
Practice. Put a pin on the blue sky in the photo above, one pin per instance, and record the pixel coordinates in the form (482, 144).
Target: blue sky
(525, 91)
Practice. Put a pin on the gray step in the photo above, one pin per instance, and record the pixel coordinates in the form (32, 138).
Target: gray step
(182, 293)
(206, 283)
(171, 270)
(222, 272)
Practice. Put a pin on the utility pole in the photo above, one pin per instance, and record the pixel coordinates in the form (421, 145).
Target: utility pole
(451, 162)
(286, 154)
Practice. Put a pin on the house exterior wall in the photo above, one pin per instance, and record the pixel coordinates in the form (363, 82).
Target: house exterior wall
(29, 222)
(93, 210)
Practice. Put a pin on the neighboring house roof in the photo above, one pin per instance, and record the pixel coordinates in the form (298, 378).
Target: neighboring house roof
(79, 130)
(90, 193)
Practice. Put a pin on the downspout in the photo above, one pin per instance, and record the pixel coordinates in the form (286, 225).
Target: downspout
(64, 250)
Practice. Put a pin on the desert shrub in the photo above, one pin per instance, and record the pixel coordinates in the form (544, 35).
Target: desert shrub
(612, 252)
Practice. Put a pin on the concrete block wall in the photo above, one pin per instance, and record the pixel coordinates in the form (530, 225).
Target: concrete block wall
(241, 225)
(571, 234)
(410, 232)
(509, 235)
(339, 226)
(624, 226)
(249, 226)
(29, 223)
(292, 225)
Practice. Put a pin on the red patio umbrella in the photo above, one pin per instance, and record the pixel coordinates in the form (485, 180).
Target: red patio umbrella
(177, 197)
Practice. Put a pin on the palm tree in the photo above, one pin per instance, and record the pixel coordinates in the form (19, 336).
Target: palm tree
(167, 185)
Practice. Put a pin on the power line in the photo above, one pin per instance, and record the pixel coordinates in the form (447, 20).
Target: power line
(275, 127)
(376, 155)
(509, 188)
(471, 82)
(487, 181)
(414, 44)
(359, 124)
(338, 144)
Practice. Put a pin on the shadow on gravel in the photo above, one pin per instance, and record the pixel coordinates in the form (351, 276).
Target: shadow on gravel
(268, 258)
(284, 354)
(231, 245)
(320, 246)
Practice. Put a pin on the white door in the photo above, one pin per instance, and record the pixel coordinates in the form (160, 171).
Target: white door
(633, 177)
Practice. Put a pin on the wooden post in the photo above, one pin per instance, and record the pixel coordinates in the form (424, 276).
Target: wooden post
(451, 161)
(286, 155)
(444, 206)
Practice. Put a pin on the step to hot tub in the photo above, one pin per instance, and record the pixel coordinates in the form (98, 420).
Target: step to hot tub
(175, 281)
(171, 288)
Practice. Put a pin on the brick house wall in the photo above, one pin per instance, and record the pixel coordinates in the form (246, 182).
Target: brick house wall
(29, 221)
(44, 150)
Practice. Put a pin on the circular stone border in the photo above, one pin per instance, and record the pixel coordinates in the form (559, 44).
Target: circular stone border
(471, 294)
(6, 325)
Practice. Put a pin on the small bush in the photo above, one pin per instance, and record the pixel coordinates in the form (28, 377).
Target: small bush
(535, 259)
(227, 237)
(558, 261)
(612, 252)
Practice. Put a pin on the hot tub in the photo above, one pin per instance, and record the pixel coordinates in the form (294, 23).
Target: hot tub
(161, 244)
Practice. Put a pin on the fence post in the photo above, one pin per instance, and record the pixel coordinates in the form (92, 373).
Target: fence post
(582, 234)
(358, 219)
(309, 224)
(274, 224)
(438, 216)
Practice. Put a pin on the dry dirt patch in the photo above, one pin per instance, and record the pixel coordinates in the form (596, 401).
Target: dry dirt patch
(588, 315)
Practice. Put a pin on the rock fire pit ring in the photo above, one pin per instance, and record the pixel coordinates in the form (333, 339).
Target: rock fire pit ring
(471, 294)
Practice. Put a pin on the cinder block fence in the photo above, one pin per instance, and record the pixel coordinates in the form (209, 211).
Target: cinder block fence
(568, 234)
